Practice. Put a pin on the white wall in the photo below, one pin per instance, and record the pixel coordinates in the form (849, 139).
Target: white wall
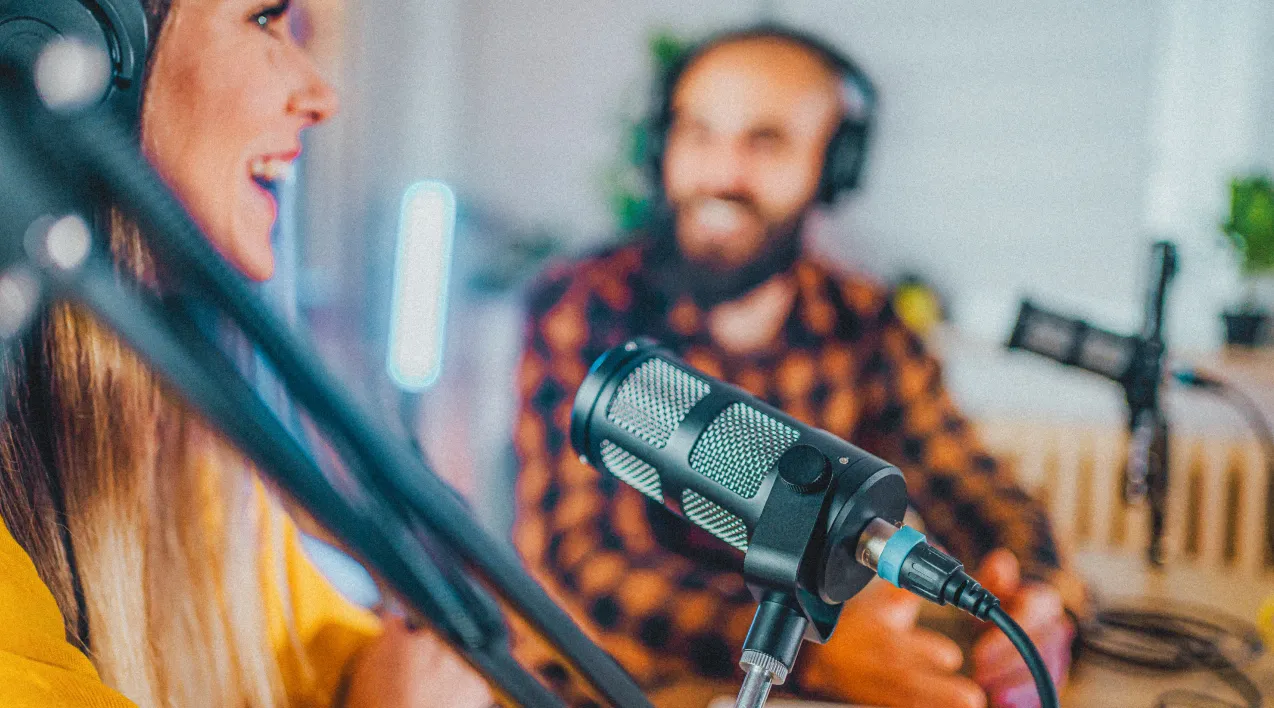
(1024, 148)
(546, 87)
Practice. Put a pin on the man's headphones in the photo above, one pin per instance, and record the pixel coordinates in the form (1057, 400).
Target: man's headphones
(847, 149)
(116, 27)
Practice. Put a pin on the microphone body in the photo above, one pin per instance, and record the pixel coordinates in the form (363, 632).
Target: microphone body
(743, 470)
(815, 516)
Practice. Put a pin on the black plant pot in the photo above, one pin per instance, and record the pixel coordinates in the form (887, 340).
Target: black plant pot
(1244, 328)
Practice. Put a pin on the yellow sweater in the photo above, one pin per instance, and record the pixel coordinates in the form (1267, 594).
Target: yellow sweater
(38, 667)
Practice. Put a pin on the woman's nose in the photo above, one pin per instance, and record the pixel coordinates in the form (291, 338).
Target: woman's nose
(315, 98)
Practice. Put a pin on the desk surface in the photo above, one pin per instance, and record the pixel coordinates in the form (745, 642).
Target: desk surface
(1114, 578)
(1117, 578)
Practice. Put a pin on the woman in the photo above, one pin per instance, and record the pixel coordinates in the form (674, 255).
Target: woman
(142, 564)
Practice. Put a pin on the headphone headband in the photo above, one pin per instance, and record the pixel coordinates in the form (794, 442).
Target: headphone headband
(847, 148)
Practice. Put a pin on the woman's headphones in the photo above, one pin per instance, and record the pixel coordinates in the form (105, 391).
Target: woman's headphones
(847, 149)
(116, 27)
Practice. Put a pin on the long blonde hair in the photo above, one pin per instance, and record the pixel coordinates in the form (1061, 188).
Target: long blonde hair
(137, 516)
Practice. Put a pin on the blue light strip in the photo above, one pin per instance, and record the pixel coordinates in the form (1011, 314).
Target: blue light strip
(422, 271)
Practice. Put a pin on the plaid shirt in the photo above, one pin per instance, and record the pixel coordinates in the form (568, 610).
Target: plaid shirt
(666, 599)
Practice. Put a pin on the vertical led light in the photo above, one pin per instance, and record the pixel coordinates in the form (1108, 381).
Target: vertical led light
(422, 267)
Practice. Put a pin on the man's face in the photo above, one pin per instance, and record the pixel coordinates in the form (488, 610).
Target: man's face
(751, 122)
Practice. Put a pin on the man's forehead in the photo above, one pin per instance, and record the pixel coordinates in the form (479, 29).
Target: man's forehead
(757, 80)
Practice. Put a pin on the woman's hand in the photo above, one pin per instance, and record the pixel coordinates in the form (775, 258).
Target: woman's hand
(414, 669)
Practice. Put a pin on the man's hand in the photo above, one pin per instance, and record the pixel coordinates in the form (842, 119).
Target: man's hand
(413, 669)
(879, 657)
(997, 666)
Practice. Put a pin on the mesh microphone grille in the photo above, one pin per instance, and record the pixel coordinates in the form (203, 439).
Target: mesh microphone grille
(715, 520)
(654, 399)
(629, 468)
(739, 447)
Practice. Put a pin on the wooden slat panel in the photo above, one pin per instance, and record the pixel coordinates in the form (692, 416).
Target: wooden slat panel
(1180, 458)
(1065, 503)
(1212, 505)
(1252, 521)
(1108, 469)
(1079, 471)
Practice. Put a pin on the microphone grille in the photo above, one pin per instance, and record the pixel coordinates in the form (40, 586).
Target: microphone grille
(654, 399)
(739, 447)
(631, 469)
(715, 520)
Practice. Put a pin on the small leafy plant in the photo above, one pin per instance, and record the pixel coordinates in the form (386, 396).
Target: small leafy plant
(1250, 226)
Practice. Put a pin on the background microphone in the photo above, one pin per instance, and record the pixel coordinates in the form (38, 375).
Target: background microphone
(1074, 342)
(1136, 363)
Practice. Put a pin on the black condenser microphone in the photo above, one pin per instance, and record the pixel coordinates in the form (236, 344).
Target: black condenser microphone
(715, 455)
(815, 516)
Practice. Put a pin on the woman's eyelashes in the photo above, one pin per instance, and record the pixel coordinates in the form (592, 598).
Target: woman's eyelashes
(272, 18)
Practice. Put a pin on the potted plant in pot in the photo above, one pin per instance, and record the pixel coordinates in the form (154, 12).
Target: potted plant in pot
(1250, 230)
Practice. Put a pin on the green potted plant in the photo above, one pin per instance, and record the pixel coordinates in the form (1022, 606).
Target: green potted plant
(627, 181)
(1250, 231)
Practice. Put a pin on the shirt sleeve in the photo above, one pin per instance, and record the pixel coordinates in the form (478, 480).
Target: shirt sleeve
(38, 666)
(586, 535)
(967, 501)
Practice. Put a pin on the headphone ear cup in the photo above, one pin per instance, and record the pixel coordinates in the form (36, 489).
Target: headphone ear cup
(116, 27)
(843, 163)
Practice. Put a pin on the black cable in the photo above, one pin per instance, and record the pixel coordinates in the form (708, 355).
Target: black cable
(1177, 641)
(1256, 420)
(1031, 655)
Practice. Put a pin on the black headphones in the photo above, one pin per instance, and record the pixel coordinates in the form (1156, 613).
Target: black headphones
(847, 149)
(117, 27)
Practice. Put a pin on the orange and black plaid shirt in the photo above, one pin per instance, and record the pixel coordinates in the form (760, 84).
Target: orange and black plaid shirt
(666, 599)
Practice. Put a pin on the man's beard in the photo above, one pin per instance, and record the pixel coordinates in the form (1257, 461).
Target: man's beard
(711, 284)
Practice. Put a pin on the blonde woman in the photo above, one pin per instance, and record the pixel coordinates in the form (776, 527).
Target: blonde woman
(140, 561)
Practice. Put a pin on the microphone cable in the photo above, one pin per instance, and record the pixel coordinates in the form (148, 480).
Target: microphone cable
(1030, 654)
(903, 558)
(1251, 413)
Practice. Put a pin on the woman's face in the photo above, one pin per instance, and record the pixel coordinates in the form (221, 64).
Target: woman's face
(229, 93)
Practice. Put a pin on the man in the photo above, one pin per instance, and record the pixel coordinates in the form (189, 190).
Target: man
(752, 118)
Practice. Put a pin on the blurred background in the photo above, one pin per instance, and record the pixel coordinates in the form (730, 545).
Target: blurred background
(1023, 149)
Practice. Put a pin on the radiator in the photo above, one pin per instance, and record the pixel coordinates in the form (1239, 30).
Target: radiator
(1216, 514)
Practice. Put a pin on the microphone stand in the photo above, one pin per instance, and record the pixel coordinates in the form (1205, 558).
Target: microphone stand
(1147, 472)
(400, 498)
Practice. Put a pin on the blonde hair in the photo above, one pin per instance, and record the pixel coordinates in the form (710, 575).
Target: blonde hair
(140, 520)
(162, 557)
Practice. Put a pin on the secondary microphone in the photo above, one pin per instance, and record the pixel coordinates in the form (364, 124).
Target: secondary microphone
(1074, 342)
(1134, 362)
(815, 516)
